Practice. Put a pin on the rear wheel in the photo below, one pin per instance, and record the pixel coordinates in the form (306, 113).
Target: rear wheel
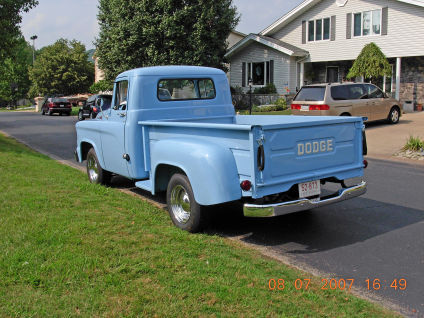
(96, 174)
(394, 115)
(183, 209)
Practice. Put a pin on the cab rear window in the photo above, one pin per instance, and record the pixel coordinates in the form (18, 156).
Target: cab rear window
(185, 89)
(311, 94)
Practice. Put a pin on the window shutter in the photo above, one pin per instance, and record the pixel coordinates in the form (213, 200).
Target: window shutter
(303, 32)
(384, 20)
(271, 71)
(349, 26)
(333, 28)
(243, 74)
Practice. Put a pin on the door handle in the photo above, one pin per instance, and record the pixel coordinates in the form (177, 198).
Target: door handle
(121, 114)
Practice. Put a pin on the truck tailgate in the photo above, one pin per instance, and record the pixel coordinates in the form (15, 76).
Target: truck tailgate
(314, 148)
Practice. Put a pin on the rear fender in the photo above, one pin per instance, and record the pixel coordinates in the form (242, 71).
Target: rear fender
(211, 168)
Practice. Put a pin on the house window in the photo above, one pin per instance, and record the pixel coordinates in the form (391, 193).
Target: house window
(319, 29)
(367, 23)
(259, 72)
(311, 33)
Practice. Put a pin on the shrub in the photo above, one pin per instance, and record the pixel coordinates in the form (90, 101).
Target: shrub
(236, 90)
(281, 103)
(414, 144)
(267, 89)
(101, 86)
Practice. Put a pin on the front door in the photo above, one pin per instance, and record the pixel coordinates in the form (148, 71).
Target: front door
(332, 74)
(113, 137)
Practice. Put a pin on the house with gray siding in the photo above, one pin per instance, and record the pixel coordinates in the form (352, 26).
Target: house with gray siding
(319, 40)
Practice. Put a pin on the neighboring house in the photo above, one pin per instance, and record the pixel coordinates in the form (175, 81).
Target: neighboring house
(99, 74)
(234, 37)
(318, 41)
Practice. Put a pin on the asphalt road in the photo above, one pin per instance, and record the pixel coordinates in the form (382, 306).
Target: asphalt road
(377, 236)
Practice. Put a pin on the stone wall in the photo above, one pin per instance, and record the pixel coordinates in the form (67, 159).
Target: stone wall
(242, 101)
(412, 80)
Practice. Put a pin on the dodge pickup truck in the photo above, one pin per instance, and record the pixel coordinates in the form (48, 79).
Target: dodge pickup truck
(174, 129)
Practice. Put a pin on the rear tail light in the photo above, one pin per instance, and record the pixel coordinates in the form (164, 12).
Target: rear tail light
(311, 107)
(95, 109)
(319, 107)
(51, 105)
(245, 185)
(365, 162)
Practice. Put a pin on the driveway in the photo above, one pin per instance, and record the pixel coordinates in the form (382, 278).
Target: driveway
(385, 140)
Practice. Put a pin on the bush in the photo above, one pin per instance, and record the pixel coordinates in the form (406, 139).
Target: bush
(414, 144)
(281, 103)
(101, 86)
(267, 89)
(237, 90)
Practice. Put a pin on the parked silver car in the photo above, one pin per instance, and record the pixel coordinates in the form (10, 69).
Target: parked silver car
(346, 99)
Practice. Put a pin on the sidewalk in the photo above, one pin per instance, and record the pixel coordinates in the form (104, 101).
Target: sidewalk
(384, 140)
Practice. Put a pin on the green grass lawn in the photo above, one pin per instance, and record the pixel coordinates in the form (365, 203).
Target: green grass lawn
(71, 248)
(75, 110)
(19, 108)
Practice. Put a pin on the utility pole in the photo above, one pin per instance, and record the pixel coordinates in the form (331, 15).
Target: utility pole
(33, 38)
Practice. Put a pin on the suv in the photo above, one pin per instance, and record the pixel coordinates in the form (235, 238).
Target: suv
(94, 105)
(346, 99)
(56, 105)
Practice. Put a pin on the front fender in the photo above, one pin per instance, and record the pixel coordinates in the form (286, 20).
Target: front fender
(211, 168)
(88, 134)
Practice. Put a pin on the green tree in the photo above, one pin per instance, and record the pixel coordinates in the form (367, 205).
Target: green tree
(101, 86)
(61, 68)
(14, 69)
(163, 32)
(371, 63)
(10, 18)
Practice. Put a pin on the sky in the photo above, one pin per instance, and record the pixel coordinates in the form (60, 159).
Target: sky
(77, 19)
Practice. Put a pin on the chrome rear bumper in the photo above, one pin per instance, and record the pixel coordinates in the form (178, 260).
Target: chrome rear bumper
(276, 209)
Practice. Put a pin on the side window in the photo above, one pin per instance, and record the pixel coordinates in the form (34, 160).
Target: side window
(121, 95)
(357, 91)
(374, 91)
(340, 92)
(105, 102)
(91, 100)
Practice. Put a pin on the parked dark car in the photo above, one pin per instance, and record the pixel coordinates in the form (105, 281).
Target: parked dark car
(58, 105)
(94, 105)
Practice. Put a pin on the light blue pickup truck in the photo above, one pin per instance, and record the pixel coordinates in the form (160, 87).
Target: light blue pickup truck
(174, 129)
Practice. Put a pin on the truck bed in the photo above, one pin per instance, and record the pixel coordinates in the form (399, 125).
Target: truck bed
(296, 148)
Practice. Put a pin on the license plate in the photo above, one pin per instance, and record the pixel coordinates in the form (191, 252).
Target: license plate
(308, 189)
(304, 108)
(62, 105)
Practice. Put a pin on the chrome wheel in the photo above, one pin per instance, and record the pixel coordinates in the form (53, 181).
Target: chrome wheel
(394, 116)
(93, 169)
(180, 204)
